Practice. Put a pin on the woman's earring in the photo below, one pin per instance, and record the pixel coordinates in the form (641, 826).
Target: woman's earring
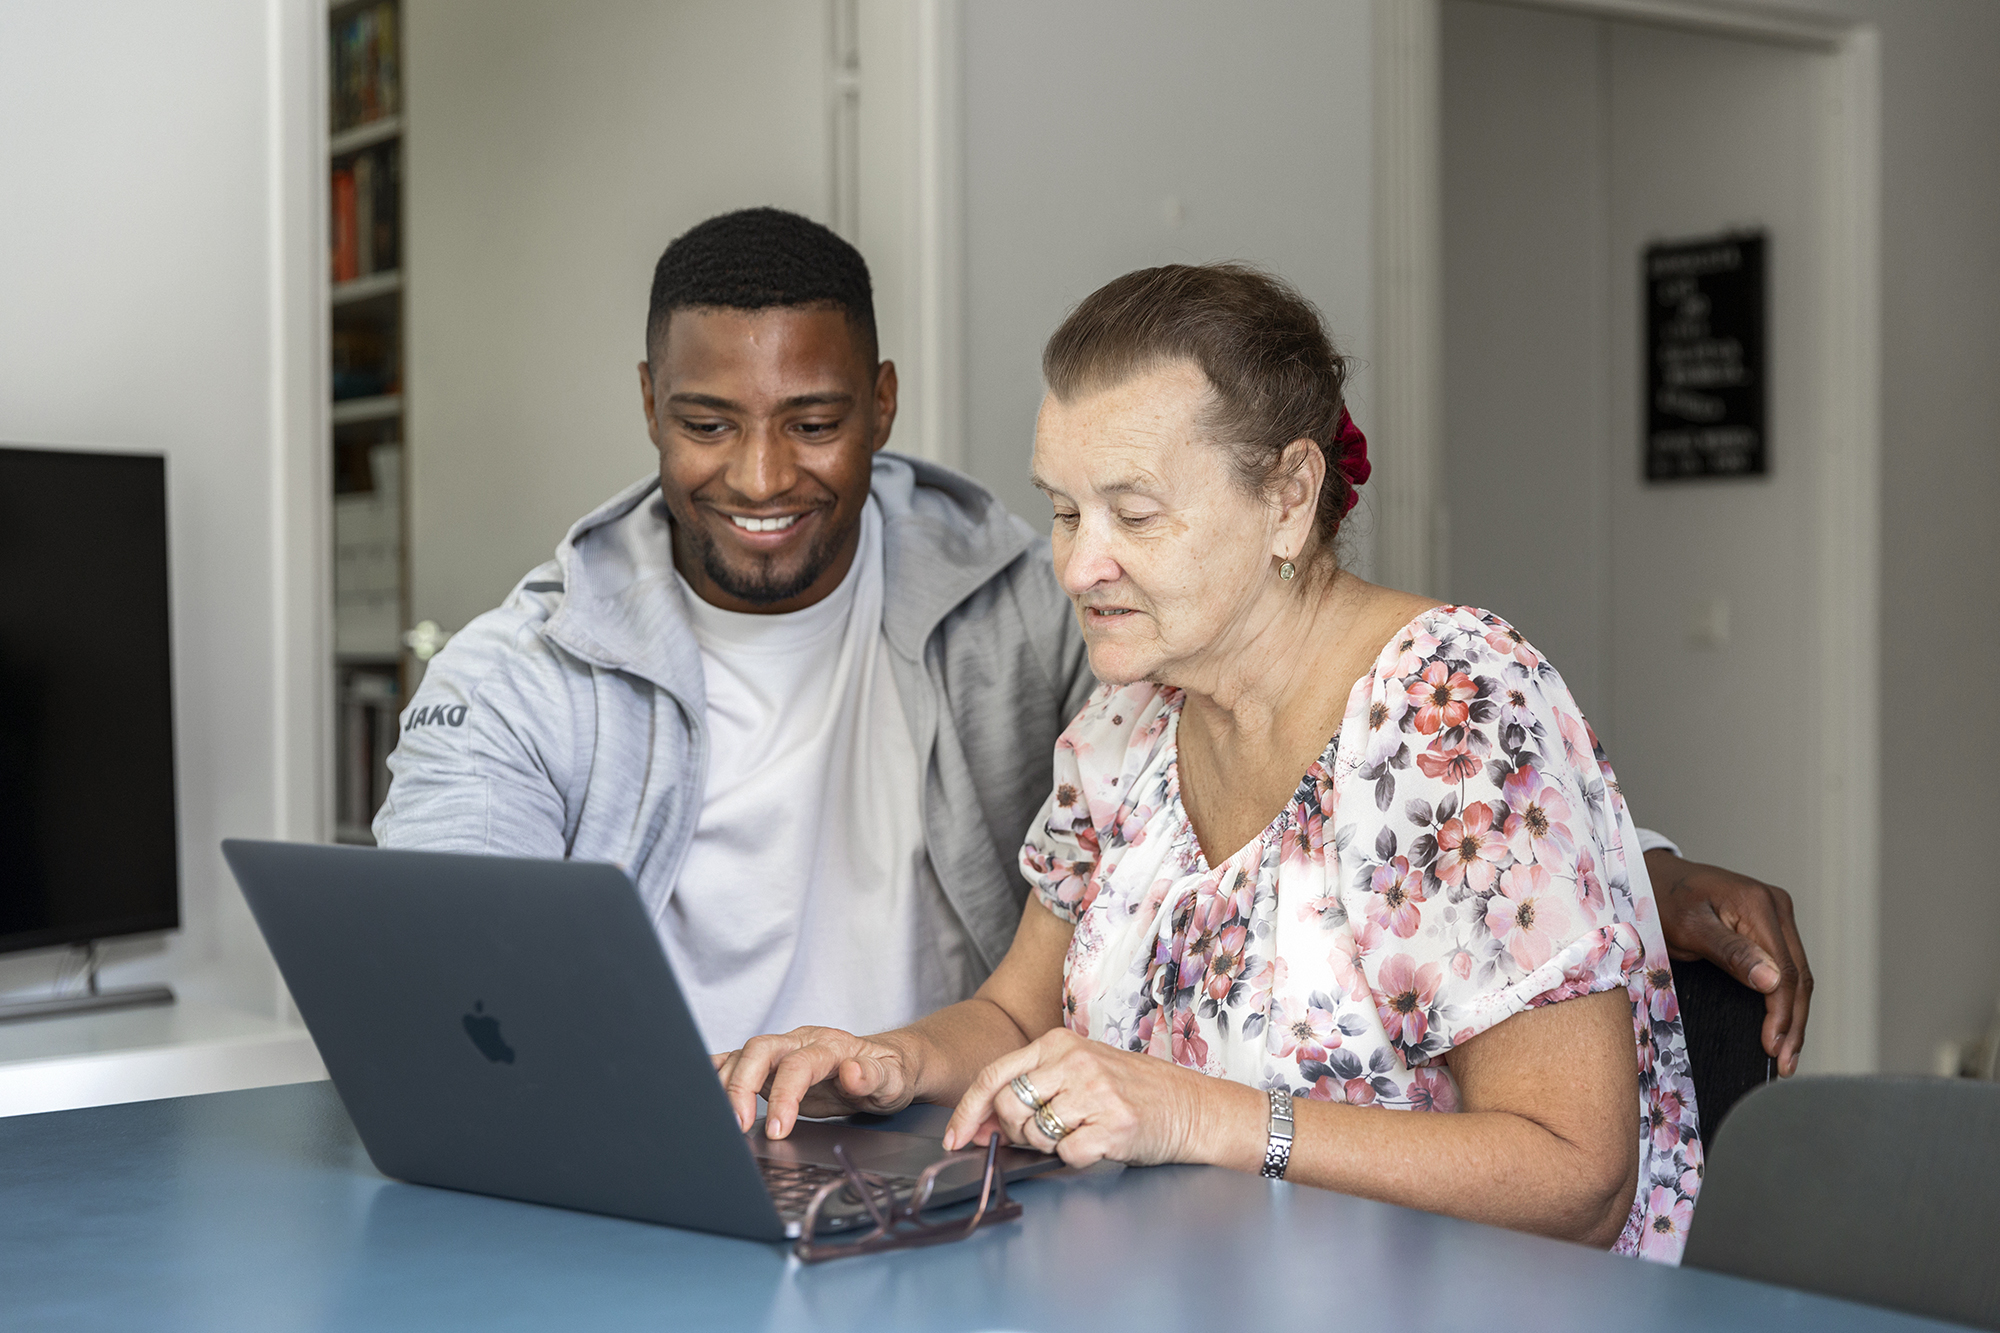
(1286, 570)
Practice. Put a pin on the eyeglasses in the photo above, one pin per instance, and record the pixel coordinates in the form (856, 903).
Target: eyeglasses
(901, 1224)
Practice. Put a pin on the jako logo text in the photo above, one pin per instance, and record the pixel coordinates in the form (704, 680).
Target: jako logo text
(437, 715)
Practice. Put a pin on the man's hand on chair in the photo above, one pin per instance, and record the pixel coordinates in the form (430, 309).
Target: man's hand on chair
(1746, 928)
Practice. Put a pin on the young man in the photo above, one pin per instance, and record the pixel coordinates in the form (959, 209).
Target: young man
(807, 692)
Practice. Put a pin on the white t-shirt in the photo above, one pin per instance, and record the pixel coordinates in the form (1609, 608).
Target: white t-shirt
(807, 895)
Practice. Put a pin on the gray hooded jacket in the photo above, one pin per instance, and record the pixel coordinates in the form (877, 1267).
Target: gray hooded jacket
(571, 721)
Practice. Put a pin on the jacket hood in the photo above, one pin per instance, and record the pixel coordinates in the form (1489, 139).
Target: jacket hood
(943, 536)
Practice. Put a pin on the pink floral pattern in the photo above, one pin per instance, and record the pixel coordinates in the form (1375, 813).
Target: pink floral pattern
(1457, 854)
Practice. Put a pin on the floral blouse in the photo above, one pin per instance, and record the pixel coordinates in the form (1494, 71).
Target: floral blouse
(1456, 855)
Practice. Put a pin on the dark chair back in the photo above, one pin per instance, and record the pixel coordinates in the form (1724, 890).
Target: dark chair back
(1882, 1190)
(1724, 1022)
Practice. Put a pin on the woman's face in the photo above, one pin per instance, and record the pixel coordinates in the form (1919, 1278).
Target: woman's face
(1168, 561)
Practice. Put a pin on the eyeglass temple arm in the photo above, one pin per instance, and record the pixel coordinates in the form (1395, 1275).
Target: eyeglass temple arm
(865, 1190)
(994, 1188)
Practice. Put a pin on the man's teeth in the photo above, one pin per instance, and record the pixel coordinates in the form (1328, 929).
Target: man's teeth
(778, 524)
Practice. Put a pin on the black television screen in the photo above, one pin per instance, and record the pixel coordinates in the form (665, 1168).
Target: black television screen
(88, 847)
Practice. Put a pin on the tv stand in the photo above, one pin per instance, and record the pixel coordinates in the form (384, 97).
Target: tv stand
(121, 997)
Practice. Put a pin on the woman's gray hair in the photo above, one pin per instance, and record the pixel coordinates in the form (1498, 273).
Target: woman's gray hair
(1272, 369)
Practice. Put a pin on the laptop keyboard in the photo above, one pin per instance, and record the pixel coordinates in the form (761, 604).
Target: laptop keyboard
(793, 1184)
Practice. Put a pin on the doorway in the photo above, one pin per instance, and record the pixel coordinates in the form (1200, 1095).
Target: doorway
(1718, 631)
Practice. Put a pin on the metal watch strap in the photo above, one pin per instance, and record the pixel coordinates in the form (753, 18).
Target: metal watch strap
(1278, 1148)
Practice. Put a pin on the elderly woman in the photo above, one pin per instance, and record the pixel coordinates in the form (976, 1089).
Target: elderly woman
(1319, 853)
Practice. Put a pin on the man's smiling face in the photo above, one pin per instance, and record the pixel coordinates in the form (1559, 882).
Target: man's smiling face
(766, 422)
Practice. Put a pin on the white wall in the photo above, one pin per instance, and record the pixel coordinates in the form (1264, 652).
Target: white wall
(550, 161)
(158, 258)
(1526, 343)
(1110, 135)
(1570, 143)
(1940, 916)
(1940, 489)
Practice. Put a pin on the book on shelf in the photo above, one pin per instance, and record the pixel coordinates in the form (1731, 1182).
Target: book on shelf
(366, 728)
(368, 555)
(366, 66)
(367, 598)
(366, 347)
(346, 256)
(362, 203)
(366, 230)
(380, 210)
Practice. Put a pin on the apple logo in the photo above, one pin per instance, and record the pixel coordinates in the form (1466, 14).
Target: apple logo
(484, 1029)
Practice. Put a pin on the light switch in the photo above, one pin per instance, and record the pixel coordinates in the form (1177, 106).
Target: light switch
(1708, 623)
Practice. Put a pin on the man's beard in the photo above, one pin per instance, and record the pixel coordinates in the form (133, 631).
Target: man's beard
(762, 584)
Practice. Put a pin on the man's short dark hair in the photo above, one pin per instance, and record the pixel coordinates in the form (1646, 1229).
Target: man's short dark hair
(758, 258)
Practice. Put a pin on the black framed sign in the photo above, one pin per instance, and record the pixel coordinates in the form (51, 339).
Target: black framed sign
(1705, 358)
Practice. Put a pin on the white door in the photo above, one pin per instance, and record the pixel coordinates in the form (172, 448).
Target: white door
(1685, 615)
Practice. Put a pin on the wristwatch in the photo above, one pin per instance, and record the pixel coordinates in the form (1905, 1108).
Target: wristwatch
(1278, 1148)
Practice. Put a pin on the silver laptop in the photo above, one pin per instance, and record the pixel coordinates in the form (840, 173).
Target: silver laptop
(512, 1027)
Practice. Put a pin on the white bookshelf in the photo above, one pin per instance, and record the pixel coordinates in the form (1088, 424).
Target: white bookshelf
(379, 130)
(366, 289)
(379, 407)
(365, 312)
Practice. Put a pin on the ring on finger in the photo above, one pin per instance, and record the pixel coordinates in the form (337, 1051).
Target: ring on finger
(1051, 1125)
(1026, 1092)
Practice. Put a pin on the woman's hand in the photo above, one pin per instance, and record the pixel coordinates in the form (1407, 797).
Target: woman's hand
(825, 1071)
(1115, 1104)
(816, 1072)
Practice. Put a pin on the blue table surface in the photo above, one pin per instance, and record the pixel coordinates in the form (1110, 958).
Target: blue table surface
(260, 1210)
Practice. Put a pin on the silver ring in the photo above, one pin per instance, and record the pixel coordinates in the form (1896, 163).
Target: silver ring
(1026, 1092)
(1051, 1125)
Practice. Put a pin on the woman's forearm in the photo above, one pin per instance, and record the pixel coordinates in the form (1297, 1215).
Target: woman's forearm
(1488, 1166)
(946, 1050)
(1018, 1003)
(1546, 1140)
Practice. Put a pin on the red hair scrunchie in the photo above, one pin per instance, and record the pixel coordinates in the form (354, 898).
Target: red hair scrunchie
(1353, 449)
